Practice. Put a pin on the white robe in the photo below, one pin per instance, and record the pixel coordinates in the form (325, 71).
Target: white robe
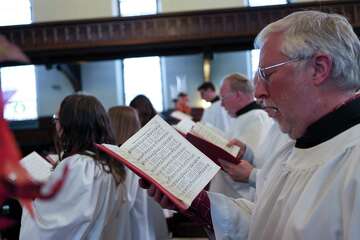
(274, 141)
(216, 116)
(147, 220)
(89, 206)
(309, 193)
(250, 128)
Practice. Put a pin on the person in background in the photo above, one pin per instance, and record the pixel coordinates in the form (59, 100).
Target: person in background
(182, 103)
(146, 111)
(125, 122)
(215, 115)
(250, 125)
(92, 203)
(144, 107)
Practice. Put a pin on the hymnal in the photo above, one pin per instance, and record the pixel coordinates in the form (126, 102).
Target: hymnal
(209, 140)
(38, 168)
(159, 154)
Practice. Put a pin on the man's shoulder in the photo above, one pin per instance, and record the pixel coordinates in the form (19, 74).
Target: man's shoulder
(256, 115)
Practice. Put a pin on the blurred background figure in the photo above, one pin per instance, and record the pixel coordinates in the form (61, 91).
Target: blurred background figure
(214, 115)
(144, 108)
(182, 103)
(145, 217)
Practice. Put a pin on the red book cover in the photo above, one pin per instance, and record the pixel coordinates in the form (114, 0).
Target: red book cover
(211, 150)
(180, 204)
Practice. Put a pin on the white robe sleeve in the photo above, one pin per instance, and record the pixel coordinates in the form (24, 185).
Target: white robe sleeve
(78, 210)
(139, 218)
(230, 217)
(351, 203)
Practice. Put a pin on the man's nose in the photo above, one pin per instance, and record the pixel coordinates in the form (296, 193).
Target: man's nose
(260, 90)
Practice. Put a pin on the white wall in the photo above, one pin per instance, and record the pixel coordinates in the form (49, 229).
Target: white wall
(104, 80)
(226, 63)
(54, 10)
(191, 5)
(186, 69)
(100, 79)
(51, 86)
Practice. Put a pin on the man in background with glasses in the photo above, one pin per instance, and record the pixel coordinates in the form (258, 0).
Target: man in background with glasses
(249, 124)
(308, 82)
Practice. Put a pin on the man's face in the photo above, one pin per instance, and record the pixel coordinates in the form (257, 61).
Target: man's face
(229, 99)
(183, 100)
(207, 94)
(284, 92)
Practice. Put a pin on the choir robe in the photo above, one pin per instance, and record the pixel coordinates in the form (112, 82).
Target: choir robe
(216, 116)
(273, 142)
(89, 206)
(250, 127)
(146, 217)
(312, 191)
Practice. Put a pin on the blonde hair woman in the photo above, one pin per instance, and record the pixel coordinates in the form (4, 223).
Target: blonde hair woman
(125, 122)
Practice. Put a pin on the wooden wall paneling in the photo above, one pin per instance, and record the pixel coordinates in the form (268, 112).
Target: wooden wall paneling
(163, 34)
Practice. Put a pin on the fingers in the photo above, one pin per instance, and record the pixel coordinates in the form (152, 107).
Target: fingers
(241, 153)
(151, 191)
(227, 166)
(235, 142)
(144, 184)
(232, 142)
(159, 197)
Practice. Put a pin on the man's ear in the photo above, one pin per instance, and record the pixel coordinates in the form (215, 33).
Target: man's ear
(322, 64)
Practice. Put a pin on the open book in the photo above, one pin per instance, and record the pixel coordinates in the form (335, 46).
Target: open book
(180, 115)
(159, 154)
(38, 168)
(209, 140)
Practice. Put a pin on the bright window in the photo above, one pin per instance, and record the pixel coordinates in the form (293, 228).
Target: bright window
(137, 7)
(254, 3)
(142, 75)
(255, 54)
(23, 104)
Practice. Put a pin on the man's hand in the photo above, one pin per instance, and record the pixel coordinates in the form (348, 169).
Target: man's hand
(157, 195)
(237, 142)
(238, 172)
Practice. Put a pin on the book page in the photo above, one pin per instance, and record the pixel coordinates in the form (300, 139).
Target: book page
(184, 126)
(38, 168)
(180, 115)
(161, 152)
(214, 136)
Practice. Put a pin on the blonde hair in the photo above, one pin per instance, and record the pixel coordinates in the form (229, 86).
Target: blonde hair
(125, 122)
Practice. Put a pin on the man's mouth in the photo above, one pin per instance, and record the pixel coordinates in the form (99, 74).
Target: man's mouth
(271, 110)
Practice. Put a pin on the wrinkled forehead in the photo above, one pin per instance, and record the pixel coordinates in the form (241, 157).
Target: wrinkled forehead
(271, 50)
(225, 87)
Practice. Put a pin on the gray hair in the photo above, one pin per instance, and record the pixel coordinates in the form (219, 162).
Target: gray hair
(308, 32)
(239, 82)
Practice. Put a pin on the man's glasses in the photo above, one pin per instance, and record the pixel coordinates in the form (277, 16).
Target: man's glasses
(265, 77)
(226, 96)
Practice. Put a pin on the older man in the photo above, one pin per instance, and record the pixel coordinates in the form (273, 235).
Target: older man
(309, 69)
(309, 74)
(250, 124)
